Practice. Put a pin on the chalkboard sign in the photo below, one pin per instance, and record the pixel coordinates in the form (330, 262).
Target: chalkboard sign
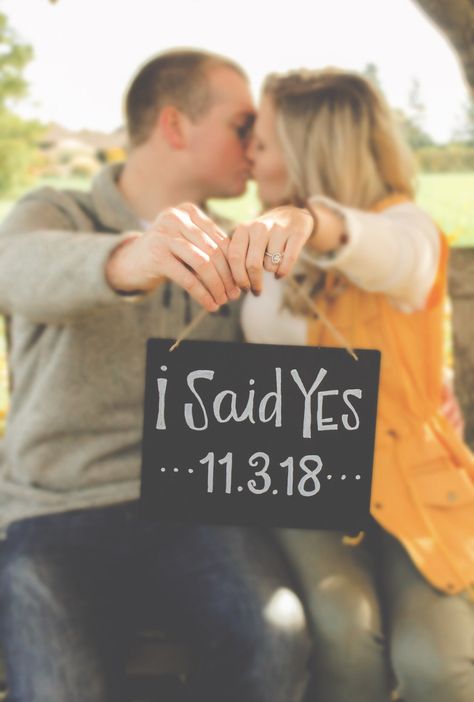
(256, 434)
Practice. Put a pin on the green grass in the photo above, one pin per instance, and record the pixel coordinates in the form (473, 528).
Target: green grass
(449, 199)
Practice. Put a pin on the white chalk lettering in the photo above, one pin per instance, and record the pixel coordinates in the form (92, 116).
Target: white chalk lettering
(276, 396)
(188, 407)
(325, 423)
(307, 398)
(160, 419)
(233, 414)
(218, 401)
(345, 417)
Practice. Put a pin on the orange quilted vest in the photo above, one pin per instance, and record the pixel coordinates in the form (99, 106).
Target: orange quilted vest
(423, 482)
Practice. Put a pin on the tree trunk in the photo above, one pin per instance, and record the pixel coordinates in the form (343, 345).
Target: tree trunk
(461, 289)
(455, 19)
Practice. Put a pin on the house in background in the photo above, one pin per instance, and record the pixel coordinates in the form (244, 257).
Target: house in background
(65, 153)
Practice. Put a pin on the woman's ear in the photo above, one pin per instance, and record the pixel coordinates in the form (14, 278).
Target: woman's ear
(171, 125)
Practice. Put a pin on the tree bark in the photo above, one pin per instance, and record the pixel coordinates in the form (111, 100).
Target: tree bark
(461, 289)
(455, 19)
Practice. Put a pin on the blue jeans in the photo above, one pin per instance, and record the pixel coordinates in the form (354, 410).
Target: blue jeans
(377, 623)
(75, 587)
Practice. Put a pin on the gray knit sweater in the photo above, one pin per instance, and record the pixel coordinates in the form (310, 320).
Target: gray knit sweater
(78, 352)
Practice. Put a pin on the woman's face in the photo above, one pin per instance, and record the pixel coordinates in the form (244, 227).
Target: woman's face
(266, 155)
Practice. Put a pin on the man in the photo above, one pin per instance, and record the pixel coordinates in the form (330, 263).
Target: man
(86, 278)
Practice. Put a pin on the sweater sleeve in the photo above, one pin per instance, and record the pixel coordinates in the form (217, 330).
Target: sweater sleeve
(50, 272)
(395, 252)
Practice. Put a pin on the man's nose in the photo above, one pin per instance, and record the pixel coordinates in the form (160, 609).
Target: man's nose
(250, 151)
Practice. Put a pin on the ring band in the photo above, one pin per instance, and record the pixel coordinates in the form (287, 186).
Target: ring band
(276, 257)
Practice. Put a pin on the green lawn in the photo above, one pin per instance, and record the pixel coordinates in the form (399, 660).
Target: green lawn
(448, 197)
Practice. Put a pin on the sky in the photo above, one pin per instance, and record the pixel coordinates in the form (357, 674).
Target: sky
(86, 51)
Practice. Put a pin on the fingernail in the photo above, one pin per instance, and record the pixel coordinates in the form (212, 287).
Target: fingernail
(256, 293)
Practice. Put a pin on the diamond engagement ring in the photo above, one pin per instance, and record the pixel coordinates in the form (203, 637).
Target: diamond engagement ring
(276, 257)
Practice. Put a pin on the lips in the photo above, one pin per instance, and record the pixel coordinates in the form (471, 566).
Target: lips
(245, 175)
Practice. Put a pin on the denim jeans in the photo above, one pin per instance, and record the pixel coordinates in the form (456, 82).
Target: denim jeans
(378, 624)
(75, 587)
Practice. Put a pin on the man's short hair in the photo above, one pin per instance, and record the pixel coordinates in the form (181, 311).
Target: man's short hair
(178, 77)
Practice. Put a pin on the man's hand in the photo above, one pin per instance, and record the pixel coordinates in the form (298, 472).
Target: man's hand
(183, 245)
(255, 246)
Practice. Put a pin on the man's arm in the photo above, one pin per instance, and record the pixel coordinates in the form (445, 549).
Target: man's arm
(50, 273)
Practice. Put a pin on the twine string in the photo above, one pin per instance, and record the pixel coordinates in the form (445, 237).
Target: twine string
(189, 328)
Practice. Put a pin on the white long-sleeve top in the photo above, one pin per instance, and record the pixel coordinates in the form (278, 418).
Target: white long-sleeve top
(395, 252)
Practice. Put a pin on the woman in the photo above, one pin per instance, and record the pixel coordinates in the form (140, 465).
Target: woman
(375, 266)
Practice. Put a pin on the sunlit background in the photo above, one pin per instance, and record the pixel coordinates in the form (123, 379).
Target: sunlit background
(87, 50)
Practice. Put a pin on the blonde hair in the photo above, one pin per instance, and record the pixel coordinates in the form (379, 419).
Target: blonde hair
(339, 137)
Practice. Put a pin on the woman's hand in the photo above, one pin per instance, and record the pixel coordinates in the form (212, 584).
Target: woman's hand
(450, 407)
(272, 242)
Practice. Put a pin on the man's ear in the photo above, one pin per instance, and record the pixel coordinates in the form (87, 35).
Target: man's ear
(171, 126)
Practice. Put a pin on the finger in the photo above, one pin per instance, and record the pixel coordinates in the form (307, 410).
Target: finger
(294, 245)
(452, 413)
(182, 276)
(237, 255)
(202, 265)
(222, 266)
(219, 253)
(176, 221)
(219, 256)
(204, 222)
(219, 261)
(259, 235)
(205, 234)
(276, 244)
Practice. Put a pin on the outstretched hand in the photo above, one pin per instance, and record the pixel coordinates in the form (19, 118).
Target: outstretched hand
(183, 245)
(272, 242)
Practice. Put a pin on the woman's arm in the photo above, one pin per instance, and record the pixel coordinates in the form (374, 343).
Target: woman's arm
(395, 252)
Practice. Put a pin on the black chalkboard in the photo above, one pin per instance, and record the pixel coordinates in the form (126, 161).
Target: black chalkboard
(230, 438)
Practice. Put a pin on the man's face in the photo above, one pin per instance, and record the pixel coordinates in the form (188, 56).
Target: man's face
(217, 141)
